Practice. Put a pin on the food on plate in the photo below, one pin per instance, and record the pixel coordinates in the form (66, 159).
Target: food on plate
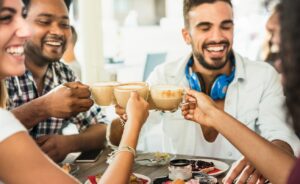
(158, 156)
(153, 159)
(136, 180)
(202, 166)
(132, 180)
(180, 181)
(66, 167)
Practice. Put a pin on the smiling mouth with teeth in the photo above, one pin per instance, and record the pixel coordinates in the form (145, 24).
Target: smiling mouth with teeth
(15, 51)
(53, 43)
(219, 48)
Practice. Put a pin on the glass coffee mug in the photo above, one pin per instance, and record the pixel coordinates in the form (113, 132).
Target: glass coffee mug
(166, 97)
(122, 92)
(102, 93)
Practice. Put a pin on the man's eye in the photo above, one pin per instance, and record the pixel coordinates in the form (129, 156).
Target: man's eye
(204, 28)
(67, 26)
(43, 22)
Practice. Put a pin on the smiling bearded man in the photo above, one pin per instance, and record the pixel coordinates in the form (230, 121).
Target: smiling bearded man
(46, 98)
(249, 91)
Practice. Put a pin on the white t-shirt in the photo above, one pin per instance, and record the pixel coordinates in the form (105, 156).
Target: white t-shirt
(9, 125)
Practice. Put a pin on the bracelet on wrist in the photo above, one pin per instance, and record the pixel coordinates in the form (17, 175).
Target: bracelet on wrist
(124, 148)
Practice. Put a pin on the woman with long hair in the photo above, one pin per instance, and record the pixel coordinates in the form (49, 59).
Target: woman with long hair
(275, 164)
(21, 160)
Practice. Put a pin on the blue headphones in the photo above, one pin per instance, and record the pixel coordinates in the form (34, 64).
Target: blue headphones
(219, 87)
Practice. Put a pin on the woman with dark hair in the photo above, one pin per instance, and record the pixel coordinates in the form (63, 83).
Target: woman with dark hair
(271, 161)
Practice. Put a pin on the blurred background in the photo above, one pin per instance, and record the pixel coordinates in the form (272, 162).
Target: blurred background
(123, 40)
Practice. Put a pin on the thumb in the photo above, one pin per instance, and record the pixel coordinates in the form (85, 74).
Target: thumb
(192, 93)
(134, 95)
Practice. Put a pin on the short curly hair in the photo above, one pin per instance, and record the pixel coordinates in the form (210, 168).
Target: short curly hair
(67, 2)
(190, 4)
(290, 36)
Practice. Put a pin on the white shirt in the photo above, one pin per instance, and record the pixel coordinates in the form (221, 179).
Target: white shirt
(9, 125)
(255, 97)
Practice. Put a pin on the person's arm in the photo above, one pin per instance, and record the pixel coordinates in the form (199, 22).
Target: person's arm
(23, 162)
(273, 163)
(58, 146)
(137, 110)
(115, 132)
(243, 171)
(62, 102)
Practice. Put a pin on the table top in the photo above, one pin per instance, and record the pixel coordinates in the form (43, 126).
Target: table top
(87, 169)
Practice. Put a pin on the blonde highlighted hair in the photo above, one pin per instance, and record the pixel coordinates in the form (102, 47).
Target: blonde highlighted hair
(3, 94)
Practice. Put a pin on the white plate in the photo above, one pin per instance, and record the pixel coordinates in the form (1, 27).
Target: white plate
(136, 174)
(222, 166)
(148, 159)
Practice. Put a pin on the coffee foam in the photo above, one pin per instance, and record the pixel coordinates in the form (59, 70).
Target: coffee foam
(103, 84)
(130, 87)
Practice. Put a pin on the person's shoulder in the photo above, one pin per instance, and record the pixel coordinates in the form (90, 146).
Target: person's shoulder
(258, 66)
(4, 112)
(62, 66)
(65, 71)
(5, 116)
(171, 65)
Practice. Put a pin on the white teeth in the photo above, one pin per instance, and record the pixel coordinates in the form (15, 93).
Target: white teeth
(54, 43)
(16, 51)
(275, 48)
(215, 49)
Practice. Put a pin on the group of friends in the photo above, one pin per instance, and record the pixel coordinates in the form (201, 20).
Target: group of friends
(236, 107)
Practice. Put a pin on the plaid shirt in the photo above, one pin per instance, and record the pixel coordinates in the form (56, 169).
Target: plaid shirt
(23, 89)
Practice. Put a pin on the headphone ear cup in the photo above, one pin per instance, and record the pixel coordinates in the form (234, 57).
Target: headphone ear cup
(219, 88)
(194, 82)
(201, 83)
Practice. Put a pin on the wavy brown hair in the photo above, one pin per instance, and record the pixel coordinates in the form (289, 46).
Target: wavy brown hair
(290, 36)
(3, 92)
(188, 5)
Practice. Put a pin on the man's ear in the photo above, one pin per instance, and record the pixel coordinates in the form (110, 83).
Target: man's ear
(186, 35)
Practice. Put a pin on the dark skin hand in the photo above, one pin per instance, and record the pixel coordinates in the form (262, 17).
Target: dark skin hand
(55, 146)
(58, 146)
(116, 132)
(63, 101)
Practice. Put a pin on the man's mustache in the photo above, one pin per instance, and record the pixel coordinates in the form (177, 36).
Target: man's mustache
(54, 37)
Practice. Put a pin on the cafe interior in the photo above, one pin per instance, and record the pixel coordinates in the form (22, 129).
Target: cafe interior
(119, 44)
(122, 41)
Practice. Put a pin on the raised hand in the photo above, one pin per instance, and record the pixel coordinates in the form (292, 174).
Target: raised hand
(137, 109)
(198, 107)
(243, 172)
(121, 112)
(68, 100)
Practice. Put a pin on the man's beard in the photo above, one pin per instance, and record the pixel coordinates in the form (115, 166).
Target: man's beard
(35, 54)
(208, 66)
(218, 63)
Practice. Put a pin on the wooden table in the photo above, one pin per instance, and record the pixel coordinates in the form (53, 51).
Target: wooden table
(152, 172)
